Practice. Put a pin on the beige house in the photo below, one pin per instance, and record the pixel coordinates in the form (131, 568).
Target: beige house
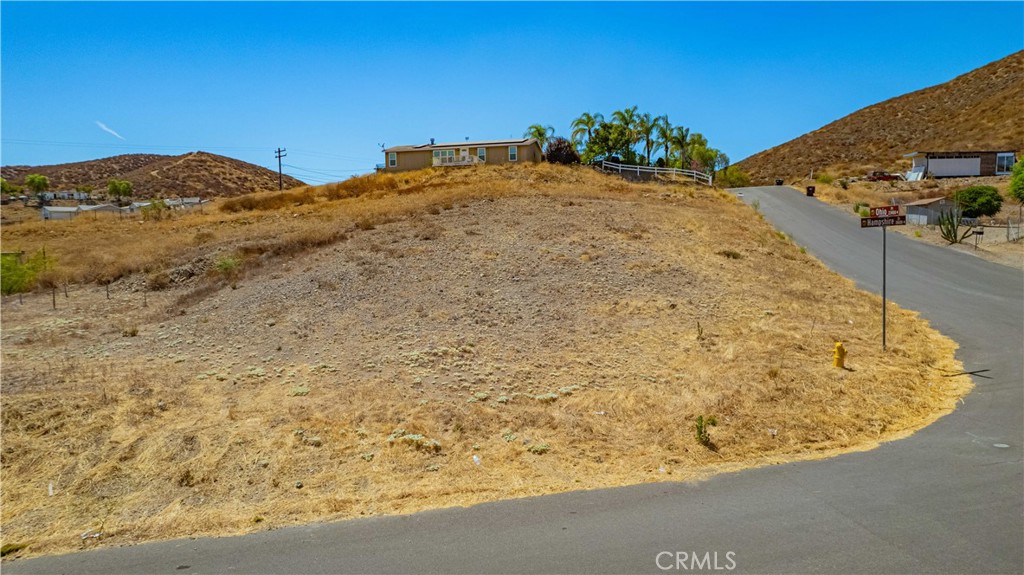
(403, 158)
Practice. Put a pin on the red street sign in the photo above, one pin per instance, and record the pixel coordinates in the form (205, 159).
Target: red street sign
(885, 211)
(882, 222)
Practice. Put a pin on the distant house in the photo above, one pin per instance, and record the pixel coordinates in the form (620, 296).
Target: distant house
(959, 164)
(185, 203)
(59, 213)
(926, 212)
(71, 195)
(102, 208)
(403, 158)
(135, 207)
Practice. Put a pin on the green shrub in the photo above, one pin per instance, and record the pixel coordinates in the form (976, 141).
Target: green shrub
(539, 448)
(732, 177)
(703, 433)
(824, 178)
(155, 211)
(977, 201)
(17, 276)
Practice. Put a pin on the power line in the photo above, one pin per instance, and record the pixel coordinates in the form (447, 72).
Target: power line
(322, 173)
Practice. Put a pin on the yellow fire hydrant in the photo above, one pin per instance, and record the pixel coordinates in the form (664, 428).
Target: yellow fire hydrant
(839, 357)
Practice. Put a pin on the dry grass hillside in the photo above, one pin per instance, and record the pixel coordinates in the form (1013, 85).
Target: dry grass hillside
(980, 110)
(192, 174)
(445, 337)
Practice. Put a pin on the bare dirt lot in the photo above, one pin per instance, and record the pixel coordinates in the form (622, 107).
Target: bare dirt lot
(490, 334)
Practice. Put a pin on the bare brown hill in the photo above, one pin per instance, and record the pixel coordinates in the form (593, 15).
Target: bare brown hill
(980, 110)
(192, 174)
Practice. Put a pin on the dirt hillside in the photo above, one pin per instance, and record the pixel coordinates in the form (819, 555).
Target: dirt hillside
(192, 174)
(445, 337)
(980, 110)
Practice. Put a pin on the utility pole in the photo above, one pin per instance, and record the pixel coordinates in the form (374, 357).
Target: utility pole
(279, 153)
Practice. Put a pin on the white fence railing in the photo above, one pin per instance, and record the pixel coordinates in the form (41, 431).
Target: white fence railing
(638, 170)
(456, 160)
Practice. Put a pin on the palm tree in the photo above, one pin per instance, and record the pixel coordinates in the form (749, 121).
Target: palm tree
(585, 124)
(645, 133)
(541, 133)
(680, 140)
(663, 134)
(627, 118)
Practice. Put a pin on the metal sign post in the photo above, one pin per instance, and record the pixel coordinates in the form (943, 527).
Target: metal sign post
(883, 287)
(884, 217)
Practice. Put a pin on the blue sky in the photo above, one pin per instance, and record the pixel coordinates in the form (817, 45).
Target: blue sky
(331, 81)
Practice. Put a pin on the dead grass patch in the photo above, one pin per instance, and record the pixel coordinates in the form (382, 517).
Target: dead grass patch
(563, 348)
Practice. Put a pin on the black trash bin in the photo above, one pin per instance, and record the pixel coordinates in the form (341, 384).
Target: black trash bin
(778, 181)
(810, 191)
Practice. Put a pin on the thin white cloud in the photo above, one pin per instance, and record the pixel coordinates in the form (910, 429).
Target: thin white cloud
(108, 130)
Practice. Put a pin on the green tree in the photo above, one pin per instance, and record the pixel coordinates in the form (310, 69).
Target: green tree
(663, 135)
(645, 126)
(585, 124)
(721, 160)
(38, 183)
(119, 189)
(541, 133)
(1017, 185)
(84, 189)
(977, 201)
(608, 140)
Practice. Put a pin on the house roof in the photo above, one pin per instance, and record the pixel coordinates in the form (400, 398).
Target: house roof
(913, 154)
(61, 209)
(926, 201)
(477, 144)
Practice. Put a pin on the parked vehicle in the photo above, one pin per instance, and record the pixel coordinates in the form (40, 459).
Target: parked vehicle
(879, 176)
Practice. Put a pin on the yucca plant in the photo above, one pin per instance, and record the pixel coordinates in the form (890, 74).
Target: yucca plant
(949, 227)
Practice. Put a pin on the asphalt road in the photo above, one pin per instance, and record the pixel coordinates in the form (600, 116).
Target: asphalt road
(949, 499)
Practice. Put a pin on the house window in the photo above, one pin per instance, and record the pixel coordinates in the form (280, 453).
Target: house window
(392, 159)
(482, 154)
(513, 153)
(1004, 163)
